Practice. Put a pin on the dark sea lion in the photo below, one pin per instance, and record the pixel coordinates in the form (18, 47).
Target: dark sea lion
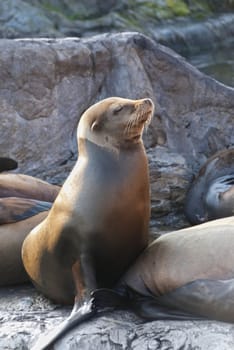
(185, 274)
(99, 221)
(211, 195)
(25, 186)
(7, 164)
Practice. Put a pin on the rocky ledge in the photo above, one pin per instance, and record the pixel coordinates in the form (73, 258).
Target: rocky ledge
(46, 85)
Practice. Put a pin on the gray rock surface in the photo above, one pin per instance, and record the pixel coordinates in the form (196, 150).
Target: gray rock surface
(25, 315)
(45, 86)
(18, 18)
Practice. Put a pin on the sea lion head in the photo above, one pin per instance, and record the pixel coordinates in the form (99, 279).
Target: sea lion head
(115, 122)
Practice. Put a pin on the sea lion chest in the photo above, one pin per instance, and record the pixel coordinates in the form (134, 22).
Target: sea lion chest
(107, 198)
(102, 213)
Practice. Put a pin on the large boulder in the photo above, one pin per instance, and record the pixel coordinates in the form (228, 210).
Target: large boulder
(47, 83)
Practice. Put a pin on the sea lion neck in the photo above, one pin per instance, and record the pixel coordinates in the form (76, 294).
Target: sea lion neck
(90, 149)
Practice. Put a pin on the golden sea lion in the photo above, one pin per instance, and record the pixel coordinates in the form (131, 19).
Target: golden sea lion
(99, 221)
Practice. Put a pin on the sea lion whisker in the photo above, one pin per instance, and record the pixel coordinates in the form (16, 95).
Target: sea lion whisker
(128, 127)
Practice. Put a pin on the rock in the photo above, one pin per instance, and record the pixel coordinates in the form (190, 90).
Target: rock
(46, 85)
(18, 18)
(25, 315)
(169, 176)
(185, 26)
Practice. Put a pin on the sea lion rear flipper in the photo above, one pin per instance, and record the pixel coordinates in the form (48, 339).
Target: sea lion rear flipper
(7, 164)
(151, 307)
(212, 299)
(13, 209)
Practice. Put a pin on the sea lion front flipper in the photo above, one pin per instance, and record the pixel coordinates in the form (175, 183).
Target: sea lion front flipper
(104, 298)
(212, 299)
(7, 164)
(144, 306)
(13, 209)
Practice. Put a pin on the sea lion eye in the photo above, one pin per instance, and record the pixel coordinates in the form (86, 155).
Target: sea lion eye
(118, 109)
(95, 126)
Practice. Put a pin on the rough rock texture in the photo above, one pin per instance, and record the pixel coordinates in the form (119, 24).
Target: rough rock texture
(45, 86)
(18, 18)
(25, 315)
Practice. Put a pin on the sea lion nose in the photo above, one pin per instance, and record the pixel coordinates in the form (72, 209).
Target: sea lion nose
(148, 101)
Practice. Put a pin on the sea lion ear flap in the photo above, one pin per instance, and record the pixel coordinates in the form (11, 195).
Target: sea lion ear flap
(96, 126)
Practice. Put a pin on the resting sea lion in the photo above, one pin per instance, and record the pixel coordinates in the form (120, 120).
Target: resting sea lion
(14, 209)
(191, 270)
(11, 240)
(18, 216)
(98, 224)
(25, 186)
(185, 274)
(211, 195)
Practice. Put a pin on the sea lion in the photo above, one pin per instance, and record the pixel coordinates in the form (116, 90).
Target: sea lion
(25, 186)
(11, 240)
(211, 195)
(191, 270)
(14, 209)
(185, 274)
(18, 216)
(98, 224)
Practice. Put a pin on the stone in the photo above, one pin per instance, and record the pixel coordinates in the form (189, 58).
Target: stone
(113, 330)
(18, 18)
(48, 83)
